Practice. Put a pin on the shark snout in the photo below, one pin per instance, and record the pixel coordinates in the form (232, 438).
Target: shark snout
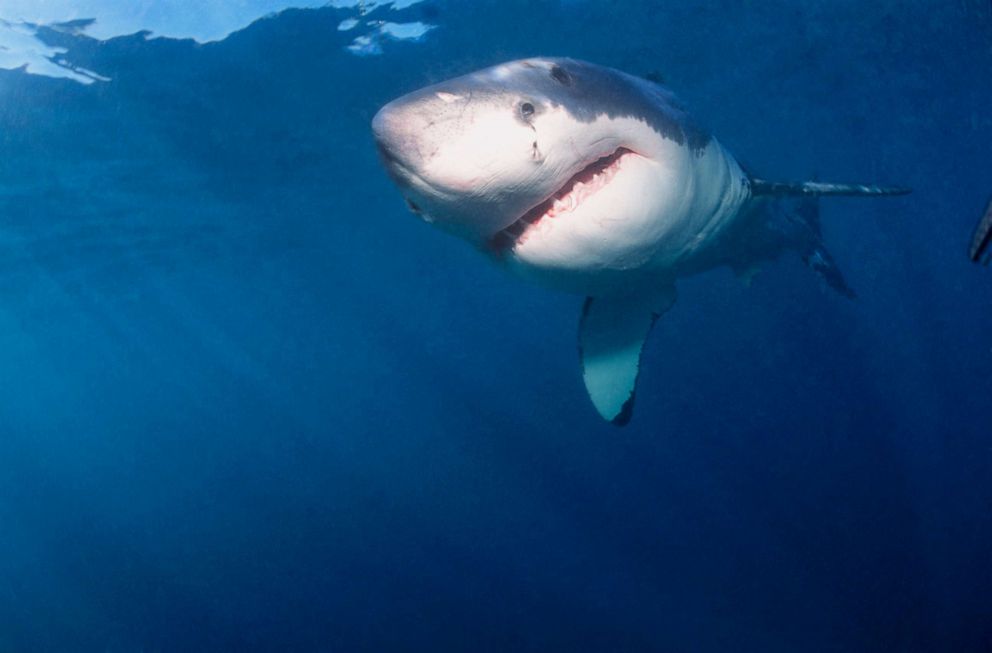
(466, 160)
(384, 124)
(385, 131)
(396, 144)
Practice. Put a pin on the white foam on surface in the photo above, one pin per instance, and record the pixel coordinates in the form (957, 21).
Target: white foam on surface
(202, 20)
(21, 49)
(412, 31)
(371, 43)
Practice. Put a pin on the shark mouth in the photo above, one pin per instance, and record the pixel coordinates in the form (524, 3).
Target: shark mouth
(583, 185)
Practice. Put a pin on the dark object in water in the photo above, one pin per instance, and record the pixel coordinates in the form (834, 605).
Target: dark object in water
(983, 237)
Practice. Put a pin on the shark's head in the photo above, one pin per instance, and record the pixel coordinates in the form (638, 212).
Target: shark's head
(543, 162)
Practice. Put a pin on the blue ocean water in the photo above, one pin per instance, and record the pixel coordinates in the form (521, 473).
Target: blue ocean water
(249, 403)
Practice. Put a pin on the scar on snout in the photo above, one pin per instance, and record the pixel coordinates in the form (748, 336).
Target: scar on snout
(536, 153)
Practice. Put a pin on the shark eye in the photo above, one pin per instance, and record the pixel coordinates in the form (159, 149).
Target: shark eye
(560, 75)
(526, 109)
(413, 207)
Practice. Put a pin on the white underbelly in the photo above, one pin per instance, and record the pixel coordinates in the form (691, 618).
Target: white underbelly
(654, 216)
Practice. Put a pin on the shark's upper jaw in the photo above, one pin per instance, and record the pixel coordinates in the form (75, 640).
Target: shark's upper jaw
(590, 180)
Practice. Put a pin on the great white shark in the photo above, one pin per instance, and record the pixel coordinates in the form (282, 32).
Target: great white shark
(592, 181)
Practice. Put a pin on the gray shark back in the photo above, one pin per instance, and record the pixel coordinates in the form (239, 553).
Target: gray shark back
(588, 90)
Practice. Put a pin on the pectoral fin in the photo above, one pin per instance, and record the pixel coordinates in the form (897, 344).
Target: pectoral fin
(611, 336)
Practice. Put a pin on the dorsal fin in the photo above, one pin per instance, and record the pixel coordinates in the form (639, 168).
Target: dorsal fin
(761, 187)
(655, 77)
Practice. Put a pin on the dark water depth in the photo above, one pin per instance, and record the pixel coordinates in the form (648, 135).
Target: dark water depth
(248, 403)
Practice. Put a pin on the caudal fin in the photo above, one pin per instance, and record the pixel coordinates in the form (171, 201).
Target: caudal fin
(761, 187)
(804, 216)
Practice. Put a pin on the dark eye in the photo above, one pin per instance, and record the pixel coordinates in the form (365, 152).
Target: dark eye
(413, 207)
(526, 109)
(560, 75)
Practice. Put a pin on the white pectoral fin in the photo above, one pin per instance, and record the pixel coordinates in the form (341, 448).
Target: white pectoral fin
(611, 336)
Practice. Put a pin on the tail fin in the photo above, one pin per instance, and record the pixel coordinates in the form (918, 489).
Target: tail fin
(805, 216)
(760, 187)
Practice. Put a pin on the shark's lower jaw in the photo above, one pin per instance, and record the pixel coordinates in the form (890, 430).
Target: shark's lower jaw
(583, 185)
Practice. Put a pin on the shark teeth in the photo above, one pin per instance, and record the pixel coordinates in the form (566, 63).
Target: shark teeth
(579, 188)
